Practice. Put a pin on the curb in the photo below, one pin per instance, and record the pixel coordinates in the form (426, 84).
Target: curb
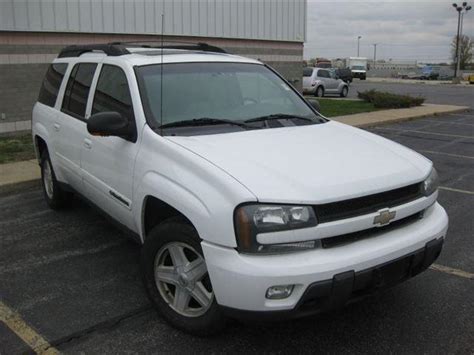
(18, 186)
(380, 120)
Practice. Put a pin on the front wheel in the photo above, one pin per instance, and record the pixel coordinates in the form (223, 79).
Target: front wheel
(344, 92)
(176, 278)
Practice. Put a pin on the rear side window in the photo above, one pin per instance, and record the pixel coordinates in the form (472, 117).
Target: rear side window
(51, 84)
(112, 92)
(77, 89)
(307, 72)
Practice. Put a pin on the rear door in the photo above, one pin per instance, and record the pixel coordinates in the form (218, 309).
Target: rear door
(332, 81)
(45, 112)
(70, 125)
(108, 162)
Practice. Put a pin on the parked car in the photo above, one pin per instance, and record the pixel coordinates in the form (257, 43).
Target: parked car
(246, 202)
(470, 78)
(320, 82)
(345, 75)
(429, 73)
(413, 76)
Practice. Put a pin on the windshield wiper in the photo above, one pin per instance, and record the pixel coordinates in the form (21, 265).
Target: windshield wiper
(278, 116)
(204, 121)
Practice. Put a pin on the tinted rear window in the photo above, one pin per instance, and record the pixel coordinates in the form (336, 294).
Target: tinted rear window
(51, 84)
(77, 90)
(307, 71)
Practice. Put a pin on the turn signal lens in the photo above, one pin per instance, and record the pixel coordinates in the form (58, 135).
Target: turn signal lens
(430, 185)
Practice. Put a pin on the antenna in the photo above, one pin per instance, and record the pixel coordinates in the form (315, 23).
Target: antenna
(161, 73)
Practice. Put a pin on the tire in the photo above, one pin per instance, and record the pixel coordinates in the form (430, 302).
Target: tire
(177, 237)
(344, 92)
(55, 197)
(319, 91)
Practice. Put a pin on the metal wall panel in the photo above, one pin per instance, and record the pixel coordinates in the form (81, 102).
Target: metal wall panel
(283, 20)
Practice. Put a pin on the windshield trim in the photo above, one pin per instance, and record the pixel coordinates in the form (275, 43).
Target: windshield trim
(146, 107)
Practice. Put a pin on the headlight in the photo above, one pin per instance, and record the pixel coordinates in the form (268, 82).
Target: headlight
(430, 185)
(251, 220)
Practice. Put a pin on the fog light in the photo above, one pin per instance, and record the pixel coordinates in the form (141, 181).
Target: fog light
(279, 292)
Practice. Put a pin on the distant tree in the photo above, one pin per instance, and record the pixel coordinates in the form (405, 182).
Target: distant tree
(465, 51)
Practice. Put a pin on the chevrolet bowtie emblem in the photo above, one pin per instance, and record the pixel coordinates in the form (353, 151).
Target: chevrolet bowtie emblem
(384, 217)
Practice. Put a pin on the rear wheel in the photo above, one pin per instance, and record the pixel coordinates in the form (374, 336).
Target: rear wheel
(344, 92)
(176, 278)
(319, 91)
(55, 197)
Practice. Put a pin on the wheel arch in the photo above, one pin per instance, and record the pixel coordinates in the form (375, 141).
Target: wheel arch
(40, 146)
(155, 211)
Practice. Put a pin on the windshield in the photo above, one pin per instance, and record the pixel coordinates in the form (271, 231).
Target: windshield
(358, 67)
(224, 91)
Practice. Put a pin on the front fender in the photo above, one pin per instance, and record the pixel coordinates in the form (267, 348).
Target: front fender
(205, 194)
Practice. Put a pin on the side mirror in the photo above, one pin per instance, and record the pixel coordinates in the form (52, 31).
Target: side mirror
(315, 104)
(109, 124)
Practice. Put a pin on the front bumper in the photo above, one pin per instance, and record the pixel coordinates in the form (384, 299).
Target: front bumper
(359, 75)
(325, 278)
(350, 286)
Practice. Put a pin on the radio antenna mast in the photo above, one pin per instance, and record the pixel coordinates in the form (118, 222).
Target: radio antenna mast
(161, 72)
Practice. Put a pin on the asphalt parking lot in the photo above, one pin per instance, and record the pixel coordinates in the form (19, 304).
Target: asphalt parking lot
(74, 280)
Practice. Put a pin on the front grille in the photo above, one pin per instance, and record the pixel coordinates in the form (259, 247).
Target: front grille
(367, 204)
(339, 240)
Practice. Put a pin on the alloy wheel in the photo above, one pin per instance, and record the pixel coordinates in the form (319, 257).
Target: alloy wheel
(48, 179)
(182, 279)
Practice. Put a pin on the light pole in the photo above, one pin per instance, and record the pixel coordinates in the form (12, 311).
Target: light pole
(375, 52)
(464, 8)
(358, 45)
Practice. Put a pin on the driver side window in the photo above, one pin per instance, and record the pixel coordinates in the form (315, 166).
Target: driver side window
(112, 93)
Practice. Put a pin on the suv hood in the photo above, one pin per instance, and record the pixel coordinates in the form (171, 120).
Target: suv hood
(310, 164)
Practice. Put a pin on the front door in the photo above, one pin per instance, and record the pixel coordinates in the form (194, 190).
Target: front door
(108, 162)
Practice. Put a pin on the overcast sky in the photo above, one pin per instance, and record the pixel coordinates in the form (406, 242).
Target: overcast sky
(405, 30)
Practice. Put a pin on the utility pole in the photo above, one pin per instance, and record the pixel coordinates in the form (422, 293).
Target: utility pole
(358, 45)
(375, 52)
(461, 11)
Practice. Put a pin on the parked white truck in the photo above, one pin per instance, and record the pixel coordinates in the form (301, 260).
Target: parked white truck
(358, 67)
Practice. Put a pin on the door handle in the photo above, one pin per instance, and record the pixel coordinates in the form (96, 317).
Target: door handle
(56, 127)
(87, 143)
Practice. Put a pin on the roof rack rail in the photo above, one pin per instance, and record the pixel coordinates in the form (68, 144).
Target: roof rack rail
(199, 46)
(120, 48)
(77, 50)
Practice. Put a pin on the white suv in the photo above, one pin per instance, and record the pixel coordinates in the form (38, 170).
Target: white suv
(247, 202)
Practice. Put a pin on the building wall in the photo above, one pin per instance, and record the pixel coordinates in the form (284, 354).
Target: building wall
(282, 20)
(25, 56)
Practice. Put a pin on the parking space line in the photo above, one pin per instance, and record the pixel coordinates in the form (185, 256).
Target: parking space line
(452, 271)
(14, 321)
(447, 154)
(422, 132)
(456, 190)
(460, 114)
(439, 122)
